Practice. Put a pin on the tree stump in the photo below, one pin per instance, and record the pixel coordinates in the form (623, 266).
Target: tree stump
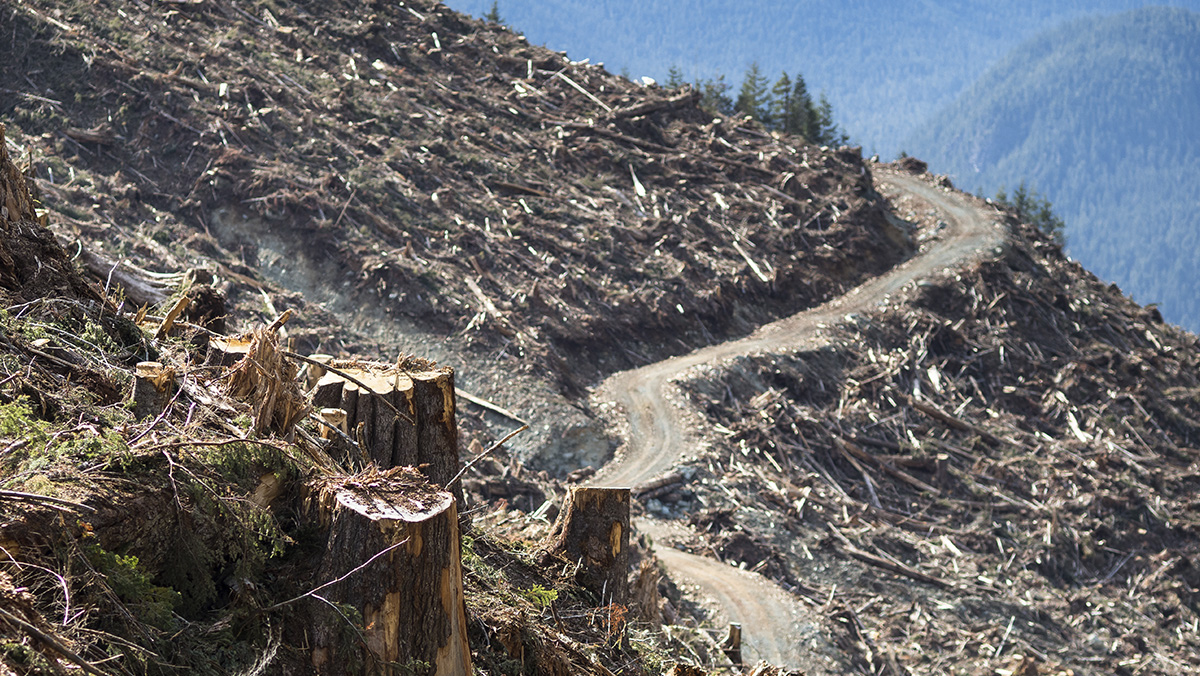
(226, 350)
(425, 436)
(593, 531)
(312, 373)
(732, 646)
(646, 598)
(409, 601)
(153, 387)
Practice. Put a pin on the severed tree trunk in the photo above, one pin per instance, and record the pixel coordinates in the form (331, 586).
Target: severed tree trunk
(593, 531)
(411, 616)
(425, 435)
(732, 646)
(645, 596)
(226, 350)
(153, 387)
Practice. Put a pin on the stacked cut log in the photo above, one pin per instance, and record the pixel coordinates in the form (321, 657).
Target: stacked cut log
(399, 416)
(393, 545)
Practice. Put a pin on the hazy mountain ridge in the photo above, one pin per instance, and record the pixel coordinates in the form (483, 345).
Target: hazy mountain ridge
(885, 70)
(1100, 116)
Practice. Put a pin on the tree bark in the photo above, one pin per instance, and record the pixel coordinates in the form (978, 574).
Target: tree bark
(593, 531)
(424, 434)
(411, 616)
(732, 647)
(646, 598)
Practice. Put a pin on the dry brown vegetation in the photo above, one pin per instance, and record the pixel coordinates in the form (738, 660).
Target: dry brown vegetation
(433, 166)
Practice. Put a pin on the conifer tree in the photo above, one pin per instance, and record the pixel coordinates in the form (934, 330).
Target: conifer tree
(792, 109)
(493, 15)
(780, 115)
(806, 121)
(675, 78)
(714, 95)
(753, 98)
(1032, 207)
(827, 130)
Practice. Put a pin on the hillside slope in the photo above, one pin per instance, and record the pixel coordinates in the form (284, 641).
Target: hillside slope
(995, 458)
(436, 168)
(1100, 116)
(994, 472)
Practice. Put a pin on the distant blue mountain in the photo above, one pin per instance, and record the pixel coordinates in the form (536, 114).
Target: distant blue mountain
(887, 65)
(1102, 115)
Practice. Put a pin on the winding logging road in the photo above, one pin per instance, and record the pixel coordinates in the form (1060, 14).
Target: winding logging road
(658, 436)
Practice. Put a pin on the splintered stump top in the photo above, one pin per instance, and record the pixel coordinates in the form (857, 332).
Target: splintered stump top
(410, 598)
(399, 415)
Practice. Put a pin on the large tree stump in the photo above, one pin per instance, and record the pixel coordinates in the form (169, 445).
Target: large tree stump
(424, 436)
(410, 600)
(732, 646)
(593, 531)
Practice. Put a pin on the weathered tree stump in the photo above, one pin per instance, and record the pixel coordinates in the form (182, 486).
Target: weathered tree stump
(732, 646)
(153, 387)
(646, 598)
(312, 373)
(407, 415)
(410, 599)
(593, 531)
(227, 350)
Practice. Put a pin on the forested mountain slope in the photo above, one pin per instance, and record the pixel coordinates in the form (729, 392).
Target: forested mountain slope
(885, 70)
(1100, 116)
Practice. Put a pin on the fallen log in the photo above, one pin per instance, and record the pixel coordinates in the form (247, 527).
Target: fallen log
(410, 599)
(658, 482)
(142, 287)
(615, 136)
(681, 101)
(952, 422)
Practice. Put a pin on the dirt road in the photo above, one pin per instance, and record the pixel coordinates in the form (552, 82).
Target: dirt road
(658, 434)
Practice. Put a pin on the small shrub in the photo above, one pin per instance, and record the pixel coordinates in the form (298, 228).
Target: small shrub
(540, 596)
(151, 604)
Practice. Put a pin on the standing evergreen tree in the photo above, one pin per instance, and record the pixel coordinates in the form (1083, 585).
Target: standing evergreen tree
(714, 95)
(493, 15)
(1033, 208)
(675, 78)
(779, 116)
(827, 132)
(807, 122)
(791, 108)
(753, 99)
